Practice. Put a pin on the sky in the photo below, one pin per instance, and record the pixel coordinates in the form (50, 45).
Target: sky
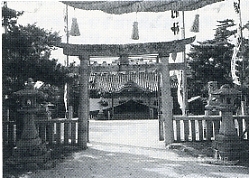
(97, 27)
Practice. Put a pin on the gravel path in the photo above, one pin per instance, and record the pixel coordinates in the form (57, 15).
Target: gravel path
(122, 149)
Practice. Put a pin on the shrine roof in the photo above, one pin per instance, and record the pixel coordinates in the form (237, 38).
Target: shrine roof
(131, 86)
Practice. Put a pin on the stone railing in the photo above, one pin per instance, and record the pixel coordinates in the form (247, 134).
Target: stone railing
(54, 131)
(205, 128)
(186, 128)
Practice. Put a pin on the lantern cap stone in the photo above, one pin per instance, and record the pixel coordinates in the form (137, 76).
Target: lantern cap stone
(226, 90)
(29, 90)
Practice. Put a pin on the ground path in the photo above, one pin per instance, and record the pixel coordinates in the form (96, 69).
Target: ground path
(122, 149)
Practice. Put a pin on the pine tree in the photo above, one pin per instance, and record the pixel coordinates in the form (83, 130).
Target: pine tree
(26, 53)
(210, 60)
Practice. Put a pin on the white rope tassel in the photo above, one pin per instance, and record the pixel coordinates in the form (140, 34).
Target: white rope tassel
(195, 26)
(135, 34)
(75, 28)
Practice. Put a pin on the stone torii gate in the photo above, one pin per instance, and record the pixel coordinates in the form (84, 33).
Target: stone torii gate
(163, 49)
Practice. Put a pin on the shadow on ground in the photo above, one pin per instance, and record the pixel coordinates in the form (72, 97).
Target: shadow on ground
(116, 160)
(58, 155)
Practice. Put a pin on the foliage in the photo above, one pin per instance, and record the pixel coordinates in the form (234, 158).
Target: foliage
(9, 17)
(26, 54)
(243, 66)
(210, 60)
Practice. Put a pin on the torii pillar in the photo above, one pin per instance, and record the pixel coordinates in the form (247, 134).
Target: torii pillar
(167, 101)
(83, 110)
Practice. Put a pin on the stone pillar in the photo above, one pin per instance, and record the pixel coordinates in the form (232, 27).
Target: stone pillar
(101, 115)
(243, 108)
(227, 126)
(212, 86)
(112, 117)
(185, 93)
(227, 145)
(83, 110)
(70, 112)
(159, 99)
(167, 102)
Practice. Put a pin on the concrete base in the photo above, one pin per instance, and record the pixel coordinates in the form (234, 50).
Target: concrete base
(30, 152)
(228, 147)
(30, 147)
(101, 116)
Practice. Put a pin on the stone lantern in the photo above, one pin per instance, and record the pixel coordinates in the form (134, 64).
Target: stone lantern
(227, 144)
(101, 115)
(29, 149)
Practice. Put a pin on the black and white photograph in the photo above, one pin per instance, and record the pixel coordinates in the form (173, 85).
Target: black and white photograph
(125, 89)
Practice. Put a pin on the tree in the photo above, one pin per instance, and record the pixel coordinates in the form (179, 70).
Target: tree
(26, 53)
(242, 72)
(210, 60)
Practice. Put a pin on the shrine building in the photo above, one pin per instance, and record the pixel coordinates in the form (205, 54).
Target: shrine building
(127, 88)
